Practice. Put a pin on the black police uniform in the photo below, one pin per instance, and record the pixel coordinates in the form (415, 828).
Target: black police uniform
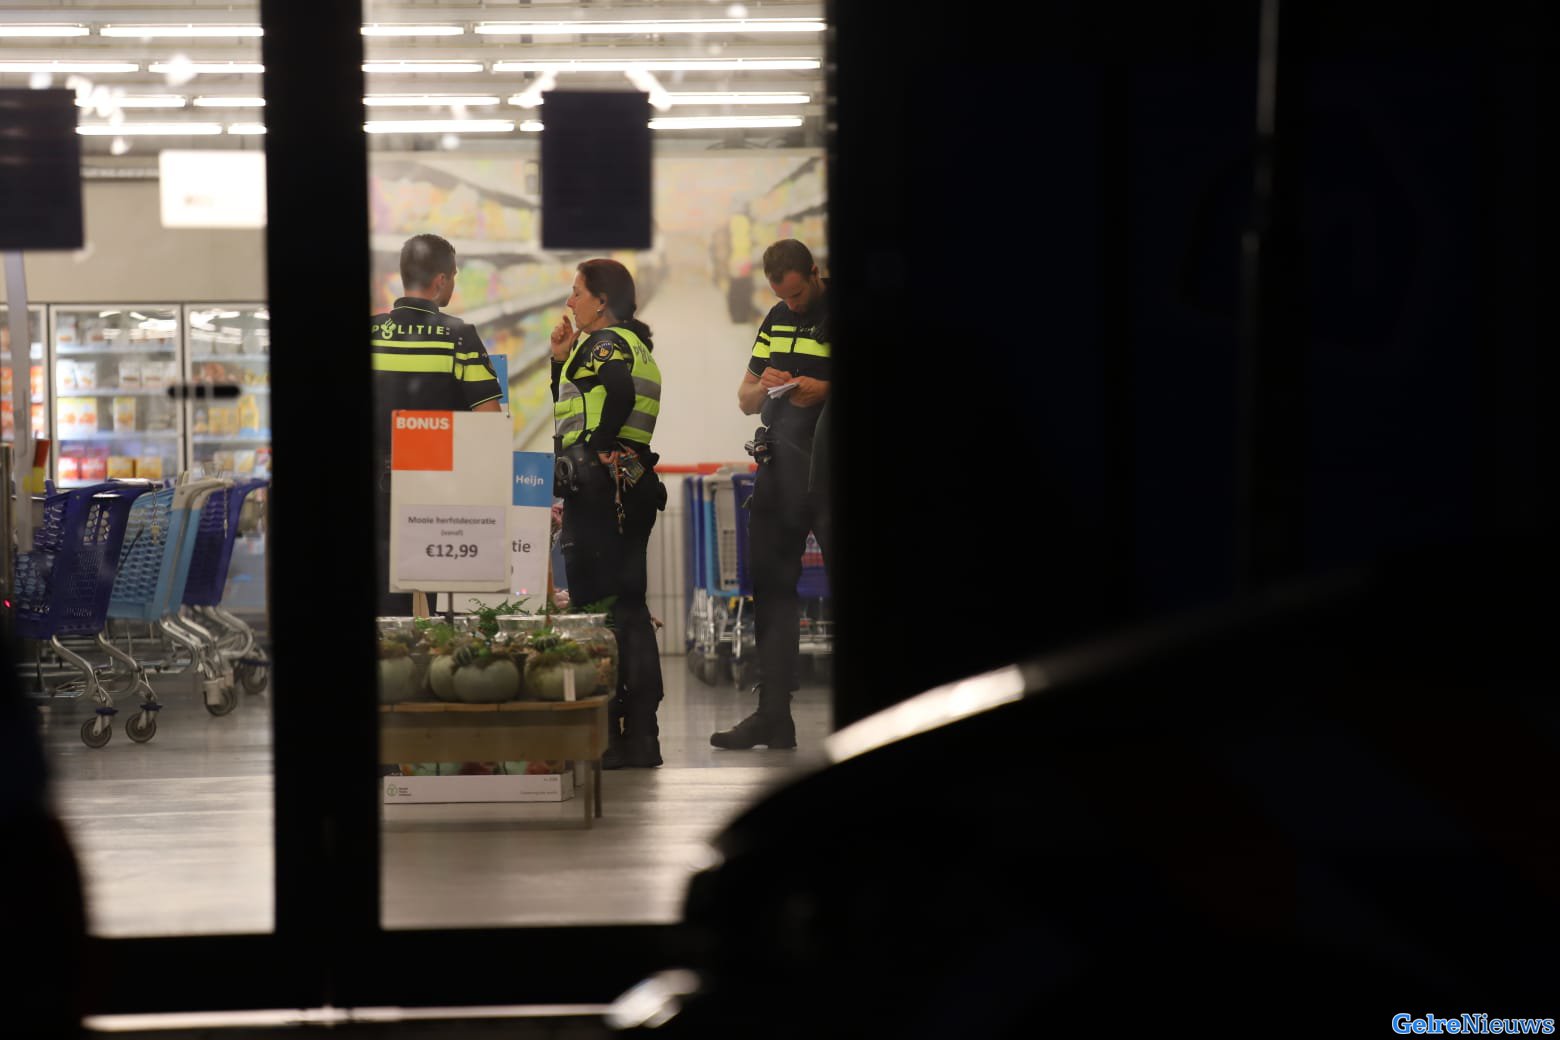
(424, 360)
(606, 397)
(783, 510)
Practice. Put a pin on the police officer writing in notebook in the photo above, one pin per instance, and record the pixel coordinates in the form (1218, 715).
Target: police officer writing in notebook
(424, 360)
(607, 395)
(787, 382)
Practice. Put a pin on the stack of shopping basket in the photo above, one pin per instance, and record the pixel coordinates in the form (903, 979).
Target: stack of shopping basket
(116, 556)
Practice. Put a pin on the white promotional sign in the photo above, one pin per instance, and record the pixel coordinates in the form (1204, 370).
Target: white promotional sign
(530, 525)
(212, 189)
(449, 501)
(444, 544)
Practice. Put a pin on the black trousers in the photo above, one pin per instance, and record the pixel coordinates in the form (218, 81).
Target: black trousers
(602, 562)
(782, 512)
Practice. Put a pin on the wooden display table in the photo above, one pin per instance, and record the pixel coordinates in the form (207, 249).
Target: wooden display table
(436, 731)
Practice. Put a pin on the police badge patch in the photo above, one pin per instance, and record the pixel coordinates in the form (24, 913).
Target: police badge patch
(603, 352)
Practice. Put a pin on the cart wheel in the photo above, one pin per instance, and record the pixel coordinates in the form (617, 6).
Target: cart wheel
(94, 737)
(225, 701)
(141, 727)
(253, 677)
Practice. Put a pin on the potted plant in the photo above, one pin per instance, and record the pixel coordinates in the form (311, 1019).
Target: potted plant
(549, 656)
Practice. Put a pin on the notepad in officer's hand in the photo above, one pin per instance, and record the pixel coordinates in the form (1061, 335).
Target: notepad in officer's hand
(781, 390)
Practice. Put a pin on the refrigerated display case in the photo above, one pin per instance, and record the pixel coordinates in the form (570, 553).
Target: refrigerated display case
(39, 396)
(111, 366)
(230, 344)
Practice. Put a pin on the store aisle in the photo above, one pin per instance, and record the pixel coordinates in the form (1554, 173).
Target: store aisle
(175, 835)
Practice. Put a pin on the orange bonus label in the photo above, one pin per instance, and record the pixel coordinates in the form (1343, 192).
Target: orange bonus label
(422, 441)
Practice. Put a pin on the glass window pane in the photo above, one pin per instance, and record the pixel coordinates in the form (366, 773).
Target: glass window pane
(486, 804)
(140, 593)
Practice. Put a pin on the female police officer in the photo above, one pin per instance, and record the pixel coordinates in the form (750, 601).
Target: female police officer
(606, 397)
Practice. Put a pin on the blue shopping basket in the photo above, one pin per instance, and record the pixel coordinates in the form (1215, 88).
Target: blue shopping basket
(158, 549)
(62, 585)
(214, 537)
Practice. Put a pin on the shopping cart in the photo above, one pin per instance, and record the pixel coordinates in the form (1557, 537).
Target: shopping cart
(812, 588)
(227, 634)
(62, 590)
(717, 629)
(154, 567)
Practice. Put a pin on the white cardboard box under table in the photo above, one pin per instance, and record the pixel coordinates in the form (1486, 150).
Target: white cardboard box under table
(424, 790)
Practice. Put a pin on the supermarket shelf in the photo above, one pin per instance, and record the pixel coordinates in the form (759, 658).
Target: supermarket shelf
(123, 435)
(100, 351)
(468, 247)
(441, 178)
(528, 361)
(486, 315)
(111, 392)
(263, 359)
(808, 210)
(543, 417)
(36, 355)
(211, 438)
(806, 165)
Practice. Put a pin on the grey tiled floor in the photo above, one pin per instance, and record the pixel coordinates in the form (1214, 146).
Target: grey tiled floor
(175, 835)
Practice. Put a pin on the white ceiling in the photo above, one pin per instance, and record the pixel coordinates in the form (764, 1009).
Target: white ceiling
(108, 109)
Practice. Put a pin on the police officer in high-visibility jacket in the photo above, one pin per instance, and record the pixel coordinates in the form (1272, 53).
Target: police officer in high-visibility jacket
(606, 398)
(787, 382)
(423, 360)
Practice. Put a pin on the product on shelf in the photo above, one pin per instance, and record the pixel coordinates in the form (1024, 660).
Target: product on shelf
(86, 375)
(121, 467)
(201, 422)
(94, 467)
(149, 467)
(223, 461)
(262, 462)
(124, 415)
(248, 415)
(70, 467)
(78, 417)
(35, 380)
(244, 462)
(130, 375)
(64, 377)
(65, 330)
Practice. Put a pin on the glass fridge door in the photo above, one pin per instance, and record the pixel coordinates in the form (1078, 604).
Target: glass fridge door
(40, 399)
(230, 344)
(112, 366)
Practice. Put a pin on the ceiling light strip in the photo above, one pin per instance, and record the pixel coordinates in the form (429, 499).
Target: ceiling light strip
(229, 102)
(179, 32)
(439, 126)
(662, 65)
(392, 67)
(414, 30)
(428, 100)
(709, 27)
(149, 129)
(208, 68)
(42, 31)
(99, 67)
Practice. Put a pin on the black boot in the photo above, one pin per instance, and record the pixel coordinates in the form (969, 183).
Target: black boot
(771, 725)
(641, 752)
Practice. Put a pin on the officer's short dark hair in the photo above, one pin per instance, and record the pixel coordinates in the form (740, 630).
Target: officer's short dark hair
(424, 256)
(785, 256)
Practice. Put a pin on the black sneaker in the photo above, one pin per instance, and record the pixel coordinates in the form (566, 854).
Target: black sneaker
(632, 753)
(777, 733)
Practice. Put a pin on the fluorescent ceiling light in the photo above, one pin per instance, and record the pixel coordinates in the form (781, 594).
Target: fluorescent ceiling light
(229, 102)
(729, 26)
(44, 30)
(249, 129)
(662, 65)
(735, 98)
(414, 30)
(532, 126)
(149, 129)
(69, 66)
(208, 68)
(138, 101)
(427, 100)
(723, 122)
(439, 126)
(421, 66)
(144, 32)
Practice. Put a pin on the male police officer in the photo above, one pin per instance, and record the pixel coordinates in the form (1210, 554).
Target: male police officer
(424, 360)
(787, 382)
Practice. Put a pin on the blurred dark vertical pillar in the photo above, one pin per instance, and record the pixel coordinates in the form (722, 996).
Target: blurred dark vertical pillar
(324, 701)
